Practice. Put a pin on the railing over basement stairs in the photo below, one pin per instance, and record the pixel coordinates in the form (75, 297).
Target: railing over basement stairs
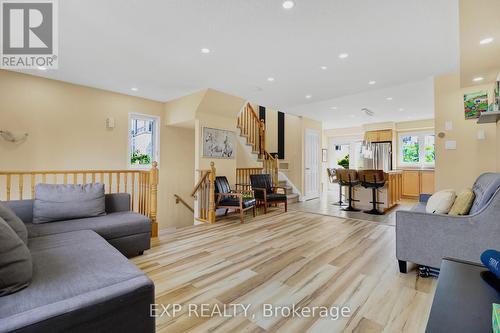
(142, 185)
(204, 194)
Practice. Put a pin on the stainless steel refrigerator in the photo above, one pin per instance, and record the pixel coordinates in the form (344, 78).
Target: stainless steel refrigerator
(377, 156)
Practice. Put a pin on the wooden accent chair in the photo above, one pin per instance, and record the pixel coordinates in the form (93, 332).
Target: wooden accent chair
(229, 199)
(266, 193)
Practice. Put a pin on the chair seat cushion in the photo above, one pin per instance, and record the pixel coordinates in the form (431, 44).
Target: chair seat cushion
(276, 197)
(70, 271)
(110, 226)
(419, 208)
(233, 201)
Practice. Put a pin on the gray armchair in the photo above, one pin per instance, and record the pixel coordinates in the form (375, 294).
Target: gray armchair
(425, 239)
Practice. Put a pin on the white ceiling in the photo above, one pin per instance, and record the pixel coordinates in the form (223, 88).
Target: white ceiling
(409, 101)
(155, 46)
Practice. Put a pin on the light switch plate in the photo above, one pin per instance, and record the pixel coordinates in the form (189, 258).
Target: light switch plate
(450, 145)
(481, 135)
(448, 125)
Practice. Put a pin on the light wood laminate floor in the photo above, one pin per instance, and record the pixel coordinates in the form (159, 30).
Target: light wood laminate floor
(283, 259)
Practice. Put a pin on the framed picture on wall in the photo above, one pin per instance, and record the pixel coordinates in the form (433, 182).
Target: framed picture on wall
(475, 103)
(324, 155)
(218, 143)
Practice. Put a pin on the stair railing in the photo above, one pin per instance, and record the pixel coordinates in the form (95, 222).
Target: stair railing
(204, 194)
(254, 130)
(141, 185)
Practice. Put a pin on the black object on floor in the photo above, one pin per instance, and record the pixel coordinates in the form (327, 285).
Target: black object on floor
(463, 300)
(426, 271)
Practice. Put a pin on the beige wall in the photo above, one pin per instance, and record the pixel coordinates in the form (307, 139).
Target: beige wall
(67, 130)
(176, 175)
(183, 110)
(459, 168)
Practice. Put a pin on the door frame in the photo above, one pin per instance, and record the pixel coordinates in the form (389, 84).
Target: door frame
(318, 133)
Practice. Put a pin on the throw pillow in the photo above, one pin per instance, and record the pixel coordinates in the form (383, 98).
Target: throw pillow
(463, 203)
(14, 222)
(54, 202)
(440, 202)
(16, 267)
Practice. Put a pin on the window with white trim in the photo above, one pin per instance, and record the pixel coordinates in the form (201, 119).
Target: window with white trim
(416, 149)
(143, 140)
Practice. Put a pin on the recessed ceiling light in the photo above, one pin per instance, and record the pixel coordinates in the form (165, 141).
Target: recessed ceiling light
(486, 41)
(42, 68)
(343, 55)
(308, 96)
(389, 98)
(205, 50)
(372, 82)
(270, 79)
(333, 108)
(134, 89)
(352, 116)
(324, 68)
(401, 109)
(477, 79)
(288, 4)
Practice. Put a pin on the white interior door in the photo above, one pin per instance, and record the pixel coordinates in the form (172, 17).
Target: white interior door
(312, 163)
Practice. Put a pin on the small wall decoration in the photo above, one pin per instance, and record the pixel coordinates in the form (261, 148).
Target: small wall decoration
(218, 143)
(475, 103)
(324, 154)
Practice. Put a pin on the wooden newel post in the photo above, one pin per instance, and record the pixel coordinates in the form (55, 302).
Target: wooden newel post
(211, 198)
(262, 137)
(153, 186)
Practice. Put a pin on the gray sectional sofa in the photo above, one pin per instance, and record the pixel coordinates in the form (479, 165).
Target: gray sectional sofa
(127, 231)
(425, 239)
(82, 281)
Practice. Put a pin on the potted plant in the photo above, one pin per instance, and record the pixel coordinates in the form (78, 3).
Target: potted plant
(344, 162)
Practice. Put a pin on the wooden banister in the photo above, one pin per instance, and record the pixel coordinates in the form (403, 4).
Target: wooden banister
(178, 200)
(204, 194)
(142, 185)
(204, 175)
(254, 129)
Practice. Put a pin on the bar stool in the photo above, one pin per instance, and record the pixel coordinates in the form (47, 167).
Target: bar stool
(349, 178)
(373, 179)
(332, 177)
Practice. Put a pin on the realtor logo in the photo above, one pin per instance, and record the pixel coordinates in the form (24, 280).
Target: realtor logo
(29, 34)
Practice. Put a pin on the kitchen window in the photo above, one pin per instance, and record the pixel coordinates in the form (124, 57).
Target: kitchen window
(143, 140)
(416, 149)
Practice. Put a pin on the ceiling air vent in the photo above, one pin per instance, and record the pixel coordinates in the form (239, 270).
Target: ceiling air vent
(368, 112)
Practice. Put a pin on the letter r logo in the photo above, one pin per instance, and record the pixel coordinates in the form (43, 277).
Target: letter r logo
(27, 28)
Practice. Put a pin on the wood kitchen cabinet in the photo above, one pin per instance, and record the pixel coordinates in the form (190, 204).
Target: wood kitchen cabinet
(427, 182)
(416, 182)
(385, 135)
(378, 136)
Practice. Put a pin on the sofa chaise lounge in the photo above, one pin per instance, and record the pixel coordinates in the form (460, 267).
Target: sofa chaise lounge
(81, 282)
